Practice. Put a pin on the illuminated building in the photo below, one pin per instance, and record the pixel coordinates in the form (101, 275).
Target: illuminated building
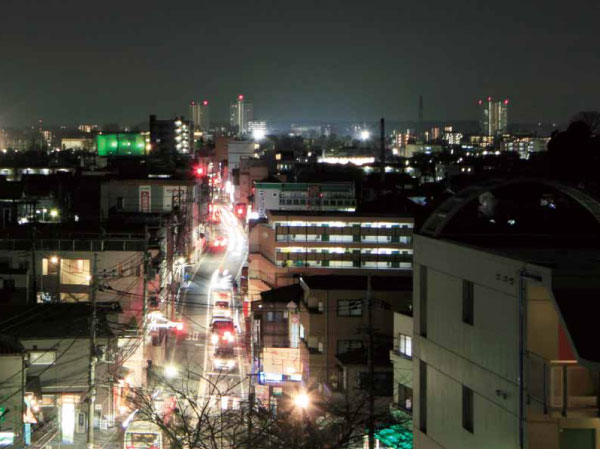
(494, 116)
(171, 135)
(453, 138)
(435, 133)
(241, 112)
(200, 114)
(525, 145)
(120, 144)
(276, 196)
(324, 242)
(257, 130)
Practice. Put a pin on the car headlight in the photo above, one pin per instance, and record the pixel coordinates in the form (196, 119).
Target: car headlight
(231, 363)
(214, 338)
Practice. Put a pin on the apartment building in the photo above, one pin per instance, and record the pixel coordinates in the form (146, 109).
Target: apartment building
(333, 324)
(323, 197)
(296, 242)
(504, 349)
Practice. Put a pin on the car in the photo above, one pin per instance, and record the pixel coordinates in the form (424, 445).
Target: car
(222, 331)
(219, 243)
(224, 359)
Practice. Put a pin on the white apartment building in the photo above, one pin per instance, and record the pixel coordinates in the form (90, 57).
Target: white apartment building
(504, 346)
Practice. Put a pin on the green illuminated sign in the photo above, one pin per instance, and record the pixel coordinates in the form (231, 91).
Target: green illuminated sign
(121, 144)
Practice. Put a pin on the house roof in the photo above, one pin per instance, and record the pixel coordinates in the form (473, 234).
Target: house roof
(346, 282)
(52, 321)
(10, 345)
(285, 294)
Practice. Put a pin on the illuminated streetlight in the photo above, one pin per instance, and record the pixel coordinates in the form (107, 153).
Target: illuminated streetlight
(54, 260)
(171, 371)
(54, 213)
(365, 135)
(301, 400)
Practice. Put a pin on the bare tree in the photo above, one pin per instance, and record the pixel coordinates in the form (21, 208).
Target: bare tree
(189, 420)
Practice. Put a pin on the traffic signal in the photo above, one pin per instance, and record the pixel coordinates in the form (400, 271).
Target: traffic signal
(199, 171)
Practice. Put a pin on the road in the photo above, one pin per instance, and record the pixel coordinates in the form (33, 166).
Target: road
(223, 389)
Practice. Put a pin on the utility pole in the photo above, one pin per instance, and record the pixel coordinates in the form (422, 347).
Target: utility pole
(92, 367)
(382, 151)
(33, 298)
(145, 292)
(370, 367)
(250, 410)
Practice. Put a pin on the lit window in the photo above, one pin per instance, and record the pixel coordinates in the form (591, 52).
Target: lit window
(42, 357)
(349, 307)
(75, 271)
(405, 345)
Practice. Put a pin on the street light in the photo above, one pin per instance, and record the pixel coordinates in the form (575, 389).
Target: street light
(171, 371)
(302, 400)
(365, 135)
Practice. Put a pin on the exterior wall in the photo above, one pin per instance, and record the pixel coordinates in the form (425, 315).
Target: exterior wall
(237, 149)
(304, 196)
(12, 377)
(484, 356)
(126, 196)
(403, 366)
(324, 330)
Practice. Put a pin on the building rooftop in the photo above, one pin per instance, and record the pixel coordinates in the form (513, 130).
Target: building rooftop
(339, 214)
(53, 321)
(285, 294)
(344, 282)
(539, 222)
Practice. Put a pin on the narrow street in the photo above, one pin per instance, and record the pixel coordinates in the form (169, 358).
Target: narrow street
(194, 356)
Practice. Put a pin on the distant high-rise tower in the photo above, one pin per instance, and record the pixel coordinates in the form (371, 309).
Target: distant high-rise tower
(241, 113)
(494, 116)
(421, 128)
(200, 115)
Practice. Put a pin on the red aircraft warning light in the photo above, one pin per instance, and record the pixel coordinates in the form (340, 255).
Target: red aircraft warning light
(205, 102)
(240, 97)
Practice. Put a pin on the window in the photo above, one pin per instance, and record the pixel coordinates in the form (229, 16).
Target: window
(74, 297)
(75, 271)
(405, 345)
(423, 300)
(344, 346)
(467, 409)
(349, 307)
(42, 357)
(468, 306)
(120, 203)
(405, 397)
(423, 397)
(275, 316)
(8, 285)
(50, 266)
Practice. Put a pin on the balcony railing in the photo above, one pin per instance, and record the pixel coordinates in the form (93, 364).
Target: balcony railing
(561, 388)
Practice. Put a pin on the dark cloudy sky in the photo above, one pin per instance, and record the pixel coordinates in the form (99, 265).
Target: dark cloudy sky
(85, 61)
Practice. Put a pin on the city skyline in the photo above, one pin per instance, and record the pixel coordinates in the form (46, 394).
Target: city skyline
(332, 60)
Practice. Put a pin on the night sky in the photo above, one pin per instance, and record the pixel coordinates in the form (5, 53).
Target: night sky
(117, 61)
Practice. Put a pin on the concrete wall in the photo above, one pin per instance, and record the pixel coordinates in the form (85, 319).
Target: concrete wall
(12, 378)
(483, 356)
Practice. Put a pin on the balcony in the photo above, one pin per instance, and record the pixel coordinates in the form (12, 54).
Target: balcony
(561, 388)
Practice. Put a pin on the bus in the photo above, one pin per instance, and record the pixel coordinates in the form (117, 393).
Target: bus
(143, 435)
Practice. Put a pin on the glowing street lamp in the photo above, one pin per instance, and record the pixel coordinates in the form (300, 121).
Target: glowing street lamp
(365, 135)
(171, 371)
(302, 400)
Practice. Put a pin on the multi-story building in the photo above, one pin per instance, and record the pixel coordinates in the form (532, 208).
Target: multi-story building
(494, 116)
(200, 114)
(170, 136)
(241, 112)
(525, 145)
(333, 325)
(295, 242)
(504, 344)
(56, 340)
(315, 331)
(314, 197)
